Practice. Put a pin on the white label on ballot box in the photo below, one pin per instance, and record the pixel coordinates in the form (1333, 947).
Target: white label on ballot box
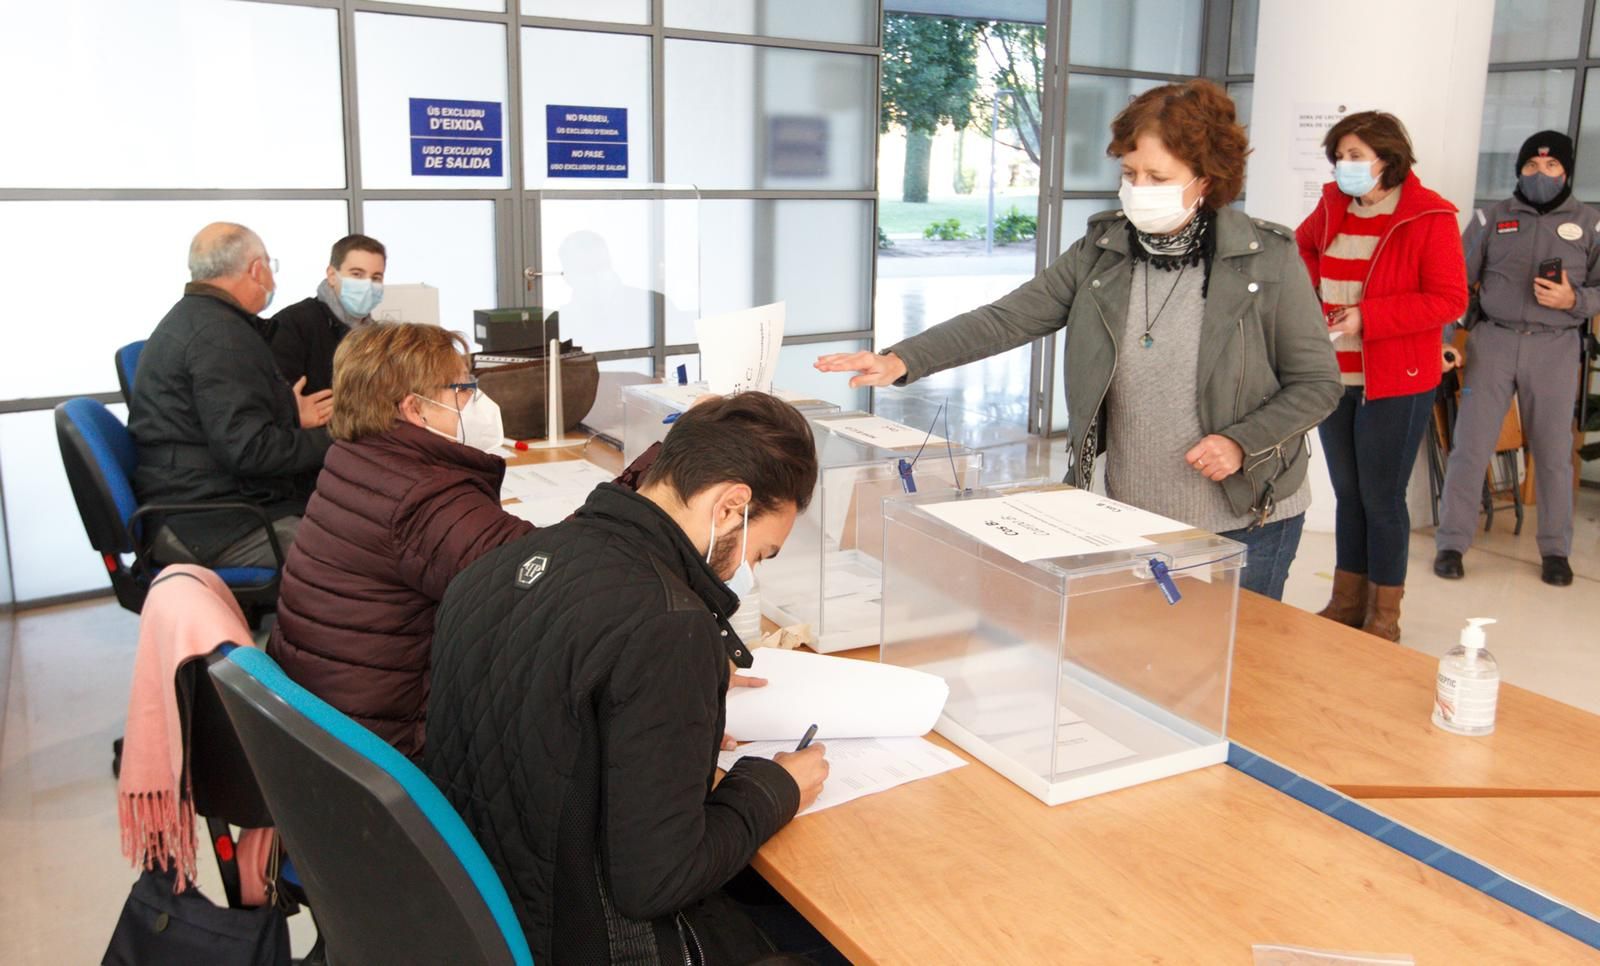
(684, 396)
(877, 431)
(681, 397)
(1054, 523)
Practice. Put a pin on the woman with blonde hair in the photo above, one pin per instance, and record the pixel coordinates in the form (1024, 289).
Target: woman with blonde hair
(407, 498)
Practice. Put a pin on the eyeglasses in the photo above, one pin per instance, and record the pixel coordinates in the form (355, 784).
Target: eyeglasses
(470, 385)
(272, 265)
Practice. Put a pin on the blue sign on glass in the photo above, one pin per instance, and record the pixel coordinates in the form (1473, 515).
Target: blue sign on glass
(456, 138)
(443, 156)
(588, 160)
(586, 142)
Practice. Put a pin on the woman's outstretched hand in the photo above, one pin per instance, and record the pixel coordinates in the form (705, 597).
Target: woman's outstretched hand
(875, 370)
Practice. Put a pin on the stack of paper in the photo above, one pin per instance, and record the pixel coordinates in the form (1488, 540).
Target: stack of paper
(861, 766)
(844, 698)
(547, 493)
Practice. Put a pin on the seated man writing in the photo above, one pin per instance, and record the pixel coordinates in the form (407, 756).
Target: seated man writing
(214, 420)
(578, 690)
(305, 334)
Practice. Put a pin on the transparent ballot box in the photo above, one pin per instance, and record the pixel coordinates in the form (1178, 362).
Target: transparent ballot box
(829, 573)
(1094, 669)
(649, 408)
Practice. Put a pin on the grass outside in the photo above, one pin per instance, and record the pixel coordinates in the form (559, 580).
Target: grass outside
(909, 218)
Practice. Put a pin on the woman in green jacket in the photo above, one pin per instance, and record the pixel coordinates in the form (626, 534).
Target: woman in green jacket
(1197, 358)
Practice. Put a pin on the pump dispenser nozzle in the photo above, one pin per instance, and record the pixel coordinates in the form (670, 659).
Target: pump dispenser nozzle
(1472, 636)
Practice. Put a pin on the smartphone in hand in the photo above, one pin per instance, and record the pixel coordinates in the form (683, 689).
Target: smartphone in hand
(1550, 270)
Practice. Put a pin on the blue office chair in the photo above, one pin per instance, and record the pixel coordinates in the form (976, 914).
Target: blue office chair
(127, 366)
(394, 874)
(100, 458)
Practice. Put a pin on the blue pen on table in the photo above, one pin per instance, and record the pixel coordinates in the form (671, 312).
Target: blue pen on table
(671, 418)
(811, 732)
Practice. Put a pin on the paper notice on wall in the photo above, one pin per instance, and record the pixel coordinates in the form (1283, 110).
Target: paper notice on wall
(877, 431)
(1307, 158)
(739, 350)
(1045, 524)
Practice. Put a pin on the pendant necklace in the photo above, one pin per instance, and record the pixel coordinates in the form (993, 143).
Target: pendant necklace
(1147, 340)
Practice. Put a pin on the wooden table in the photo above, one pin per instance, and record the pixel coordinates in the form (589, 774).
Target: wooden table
(597, 452)
(965, 867)
(1351, 711)
(1550, 844)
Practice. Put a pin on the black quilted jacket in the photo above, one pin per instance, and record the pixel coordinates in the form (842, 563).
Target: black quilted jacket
(215, 421)
(578, 683)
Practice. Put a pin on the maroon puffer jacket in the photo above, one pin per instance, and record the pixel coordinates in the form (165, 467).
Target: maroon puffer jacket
(394, 518)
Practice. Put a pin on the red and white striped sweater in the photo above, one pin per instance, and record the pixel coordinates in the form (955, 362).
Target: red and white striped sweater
(1345, 265)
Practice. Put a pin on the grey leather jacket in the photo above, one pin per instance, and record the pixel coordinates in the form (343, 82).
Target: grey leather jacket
(1267, 372)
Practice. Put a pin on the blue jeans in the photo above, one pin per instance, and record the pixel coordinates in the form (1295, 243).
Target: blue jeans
(1371, 446)
(1272, 549)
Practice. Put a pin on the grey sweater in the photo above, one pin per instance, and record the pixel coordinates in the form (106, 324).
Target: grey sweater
(1151, 419)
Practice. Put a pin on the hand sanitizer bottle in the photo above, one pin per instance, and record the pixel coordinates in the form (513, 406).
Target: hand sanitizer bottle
(1469, 684)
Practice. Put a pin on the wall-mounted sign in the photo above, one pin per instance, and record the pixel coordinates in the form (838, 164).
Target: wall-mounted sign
(461, 139)
(586, 142)
(797, 147)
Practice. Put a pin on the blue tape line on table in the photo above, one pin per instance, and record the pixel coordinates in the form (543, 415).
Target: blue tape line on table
(1425, 850)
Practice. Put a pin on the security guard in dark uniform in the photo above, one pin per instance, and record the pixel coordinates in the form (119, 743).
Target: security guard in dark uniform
(1534, 259)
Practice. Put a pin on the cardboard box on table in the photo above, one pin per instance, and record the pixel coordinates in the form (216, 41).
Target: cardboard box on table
(1071, 676)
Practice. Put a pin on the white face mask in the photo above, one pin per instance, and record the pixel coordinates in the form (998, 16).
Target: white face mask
(743, 580)
(478, 423)
(1156, 209)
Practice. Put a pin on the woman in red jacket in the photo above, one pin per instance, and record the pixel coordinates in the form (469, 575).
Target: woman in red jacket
(406, 500)
(1385, 255)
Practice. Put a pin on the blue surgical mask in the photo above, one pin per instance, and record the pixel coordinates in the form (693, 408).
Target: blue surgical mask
(1355, 178)
(743, 580)
(1540, 188)
(359, 296)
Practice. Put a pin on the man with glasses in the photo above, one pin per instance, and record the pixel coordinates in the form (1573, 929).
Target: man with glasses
(213, 418)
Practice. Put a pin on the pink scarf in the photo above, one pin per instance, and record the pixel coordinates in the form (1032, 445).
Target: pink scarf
(183, 619)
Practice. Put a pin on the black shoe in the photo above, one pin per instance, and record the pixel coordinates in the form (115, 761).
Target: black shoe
(1448, 565)
(1556, 572)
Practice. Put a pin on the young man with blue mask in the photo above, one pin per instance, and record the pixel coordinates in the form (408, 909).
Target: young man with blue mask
(305, 334)
(1535, 261)
(576, 709)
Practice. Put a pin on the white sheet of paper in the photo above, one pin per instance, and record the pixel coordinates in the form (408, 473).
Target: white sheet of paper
(739, 350)
(860, 766)
(877, 431)
(547, 493)
(844, 698)
(1054, 523)
(1082, 745)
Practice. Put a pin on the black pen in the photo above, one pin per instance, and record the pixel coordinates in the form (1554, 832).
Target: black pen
(811, 732)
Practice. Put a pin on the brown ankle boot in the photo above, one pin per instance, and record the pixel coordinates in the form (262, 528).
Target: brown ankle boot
(1349, 603)
(1384, 620)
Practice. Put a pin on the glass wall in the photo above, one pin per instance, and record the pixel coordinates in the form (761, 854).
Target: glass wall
(441, 128)
(1117, 50)
(1542, 57)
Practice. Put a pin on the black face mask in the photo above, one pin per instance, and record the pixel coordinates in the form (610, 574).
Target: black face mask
(1540, 188)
